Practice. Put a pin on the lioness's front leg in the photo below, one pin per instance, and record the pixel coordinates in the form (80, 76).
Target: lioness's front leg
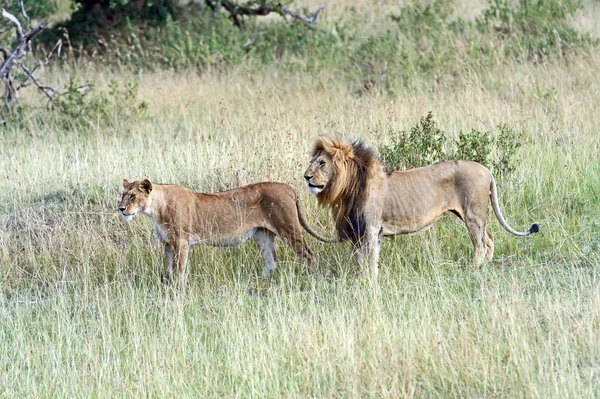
(169, 261)
(180, 255)
(265, 241)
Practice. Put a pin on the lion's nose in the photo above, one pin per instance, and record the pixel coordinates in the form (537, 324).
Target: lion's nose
(121, 208)
(307, 177)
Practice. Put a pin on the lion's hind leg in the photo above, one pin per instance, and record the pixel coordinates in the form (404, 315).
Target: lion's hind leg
(478, 236)
(489, 243)
(265, 241)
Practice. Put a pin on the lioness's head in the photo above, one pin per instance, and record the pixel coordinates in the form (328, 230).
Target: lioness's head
(135, 198)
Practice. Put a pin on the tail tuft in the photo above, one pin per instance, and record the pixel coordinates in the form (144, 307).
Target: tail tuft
(534, 228)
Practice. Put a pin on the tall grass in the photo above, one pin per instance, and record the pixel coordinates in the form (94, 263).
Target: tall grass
(83, 311)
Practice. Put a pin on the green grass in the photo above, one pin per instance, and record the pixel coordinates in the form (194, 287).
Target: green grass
(83, 311)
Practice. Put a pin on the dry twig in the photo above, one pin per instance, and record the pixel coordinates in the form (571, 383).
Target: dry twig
(15, 57)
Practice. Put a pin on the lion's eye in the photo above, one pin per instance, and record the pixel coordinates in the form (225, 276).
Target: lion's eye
(321, 164)
(132, 197)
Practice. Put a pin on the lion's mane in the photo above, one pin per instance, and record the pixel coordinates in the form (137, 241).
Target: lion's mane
(355, 167)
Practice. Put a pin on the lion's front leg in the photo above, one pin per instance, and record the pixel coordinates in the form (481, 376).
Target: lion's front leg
(366, 251)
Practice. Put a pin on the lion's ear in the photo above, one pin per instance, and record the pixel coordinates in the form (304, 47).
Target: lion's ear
(146, 186)
(126, 182)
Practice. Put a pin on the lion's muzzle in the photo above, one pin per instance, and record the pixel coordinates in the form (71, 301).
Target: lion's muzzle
(314, 188)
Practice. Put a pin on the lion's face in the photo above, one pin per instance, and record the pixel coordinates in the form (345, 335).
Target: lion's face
(319, 173)
(135, 198)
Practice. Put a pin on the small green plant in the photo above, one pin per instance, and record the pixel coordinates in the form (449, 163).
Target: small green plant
(425, 144)
(507, 144)
(475, 146)
(419, 146)
(376, 62)
(80, 103)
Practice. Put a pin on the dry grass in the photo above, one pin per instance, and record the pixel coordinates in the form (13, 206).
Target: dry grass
(83, 312)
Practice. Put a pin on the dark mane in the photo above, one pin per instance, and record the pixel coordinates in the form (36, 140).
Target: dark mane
(354, 164)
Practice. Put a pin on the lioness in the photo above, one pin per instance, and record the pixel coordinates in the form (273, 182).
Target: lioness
(183, 218)
(369, 201)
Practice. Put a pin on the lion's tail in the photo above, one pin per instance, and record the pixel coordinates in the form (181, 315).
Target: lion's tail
(310, 231)
(494, 196)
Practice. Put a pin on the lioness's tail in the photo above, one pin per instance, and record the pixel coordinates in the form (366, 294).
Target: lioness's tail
(310, 231)
(494, 196)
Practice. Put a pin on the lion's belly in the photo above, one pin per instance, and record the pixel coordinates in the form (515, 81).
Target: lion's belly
(407, 226)
(404, 230)
(223, 241)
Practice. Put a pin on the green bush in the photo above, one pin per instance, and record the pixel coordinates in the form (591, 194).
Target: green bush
(436, 44)
(475, 146)
(534, 28)
(376, 63)
(419, 146)
(81, 104)
(425, 143)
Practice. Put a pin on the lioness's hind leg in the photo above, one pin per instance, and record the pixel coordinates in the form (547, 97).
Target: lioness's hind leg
(265, 241)
(300, 247)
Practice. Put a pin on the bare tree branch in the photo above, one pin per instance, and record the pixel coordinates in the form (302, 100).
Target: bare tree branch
(15, 57)
(13, 20)
(25, 14)
(312, 21)
(20, 49)
(237, 11)
(48, 91)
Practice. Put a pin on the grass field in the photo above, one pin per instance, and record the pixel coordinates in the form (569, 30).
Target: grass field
(83, 311)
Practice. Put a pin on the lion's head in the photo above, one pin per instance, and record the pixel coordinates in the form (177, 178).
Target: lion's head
(338, 169)
(338, 175)
(135, 198)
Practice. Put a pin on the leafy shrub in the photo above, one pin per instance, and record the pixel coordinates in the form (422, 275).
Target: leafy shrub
(534, 28)
(475, 146)
(425, 143)
(435, 43)
(507, 144)
(439, 45)
(377, 63)
(419, 146)
(81, 103)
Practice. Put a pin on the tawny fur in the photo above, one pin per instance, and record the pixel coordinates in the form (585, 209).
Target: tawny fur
(369, 201)
(183, 218)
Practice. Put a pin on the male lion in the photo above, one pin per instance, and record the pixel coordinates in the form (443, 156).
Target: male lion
(183, 218)
(369, 201)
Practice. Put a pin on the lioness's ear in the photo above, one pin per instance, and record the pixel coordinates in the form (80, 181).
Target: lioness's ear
(126, 182)
(146, 186)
